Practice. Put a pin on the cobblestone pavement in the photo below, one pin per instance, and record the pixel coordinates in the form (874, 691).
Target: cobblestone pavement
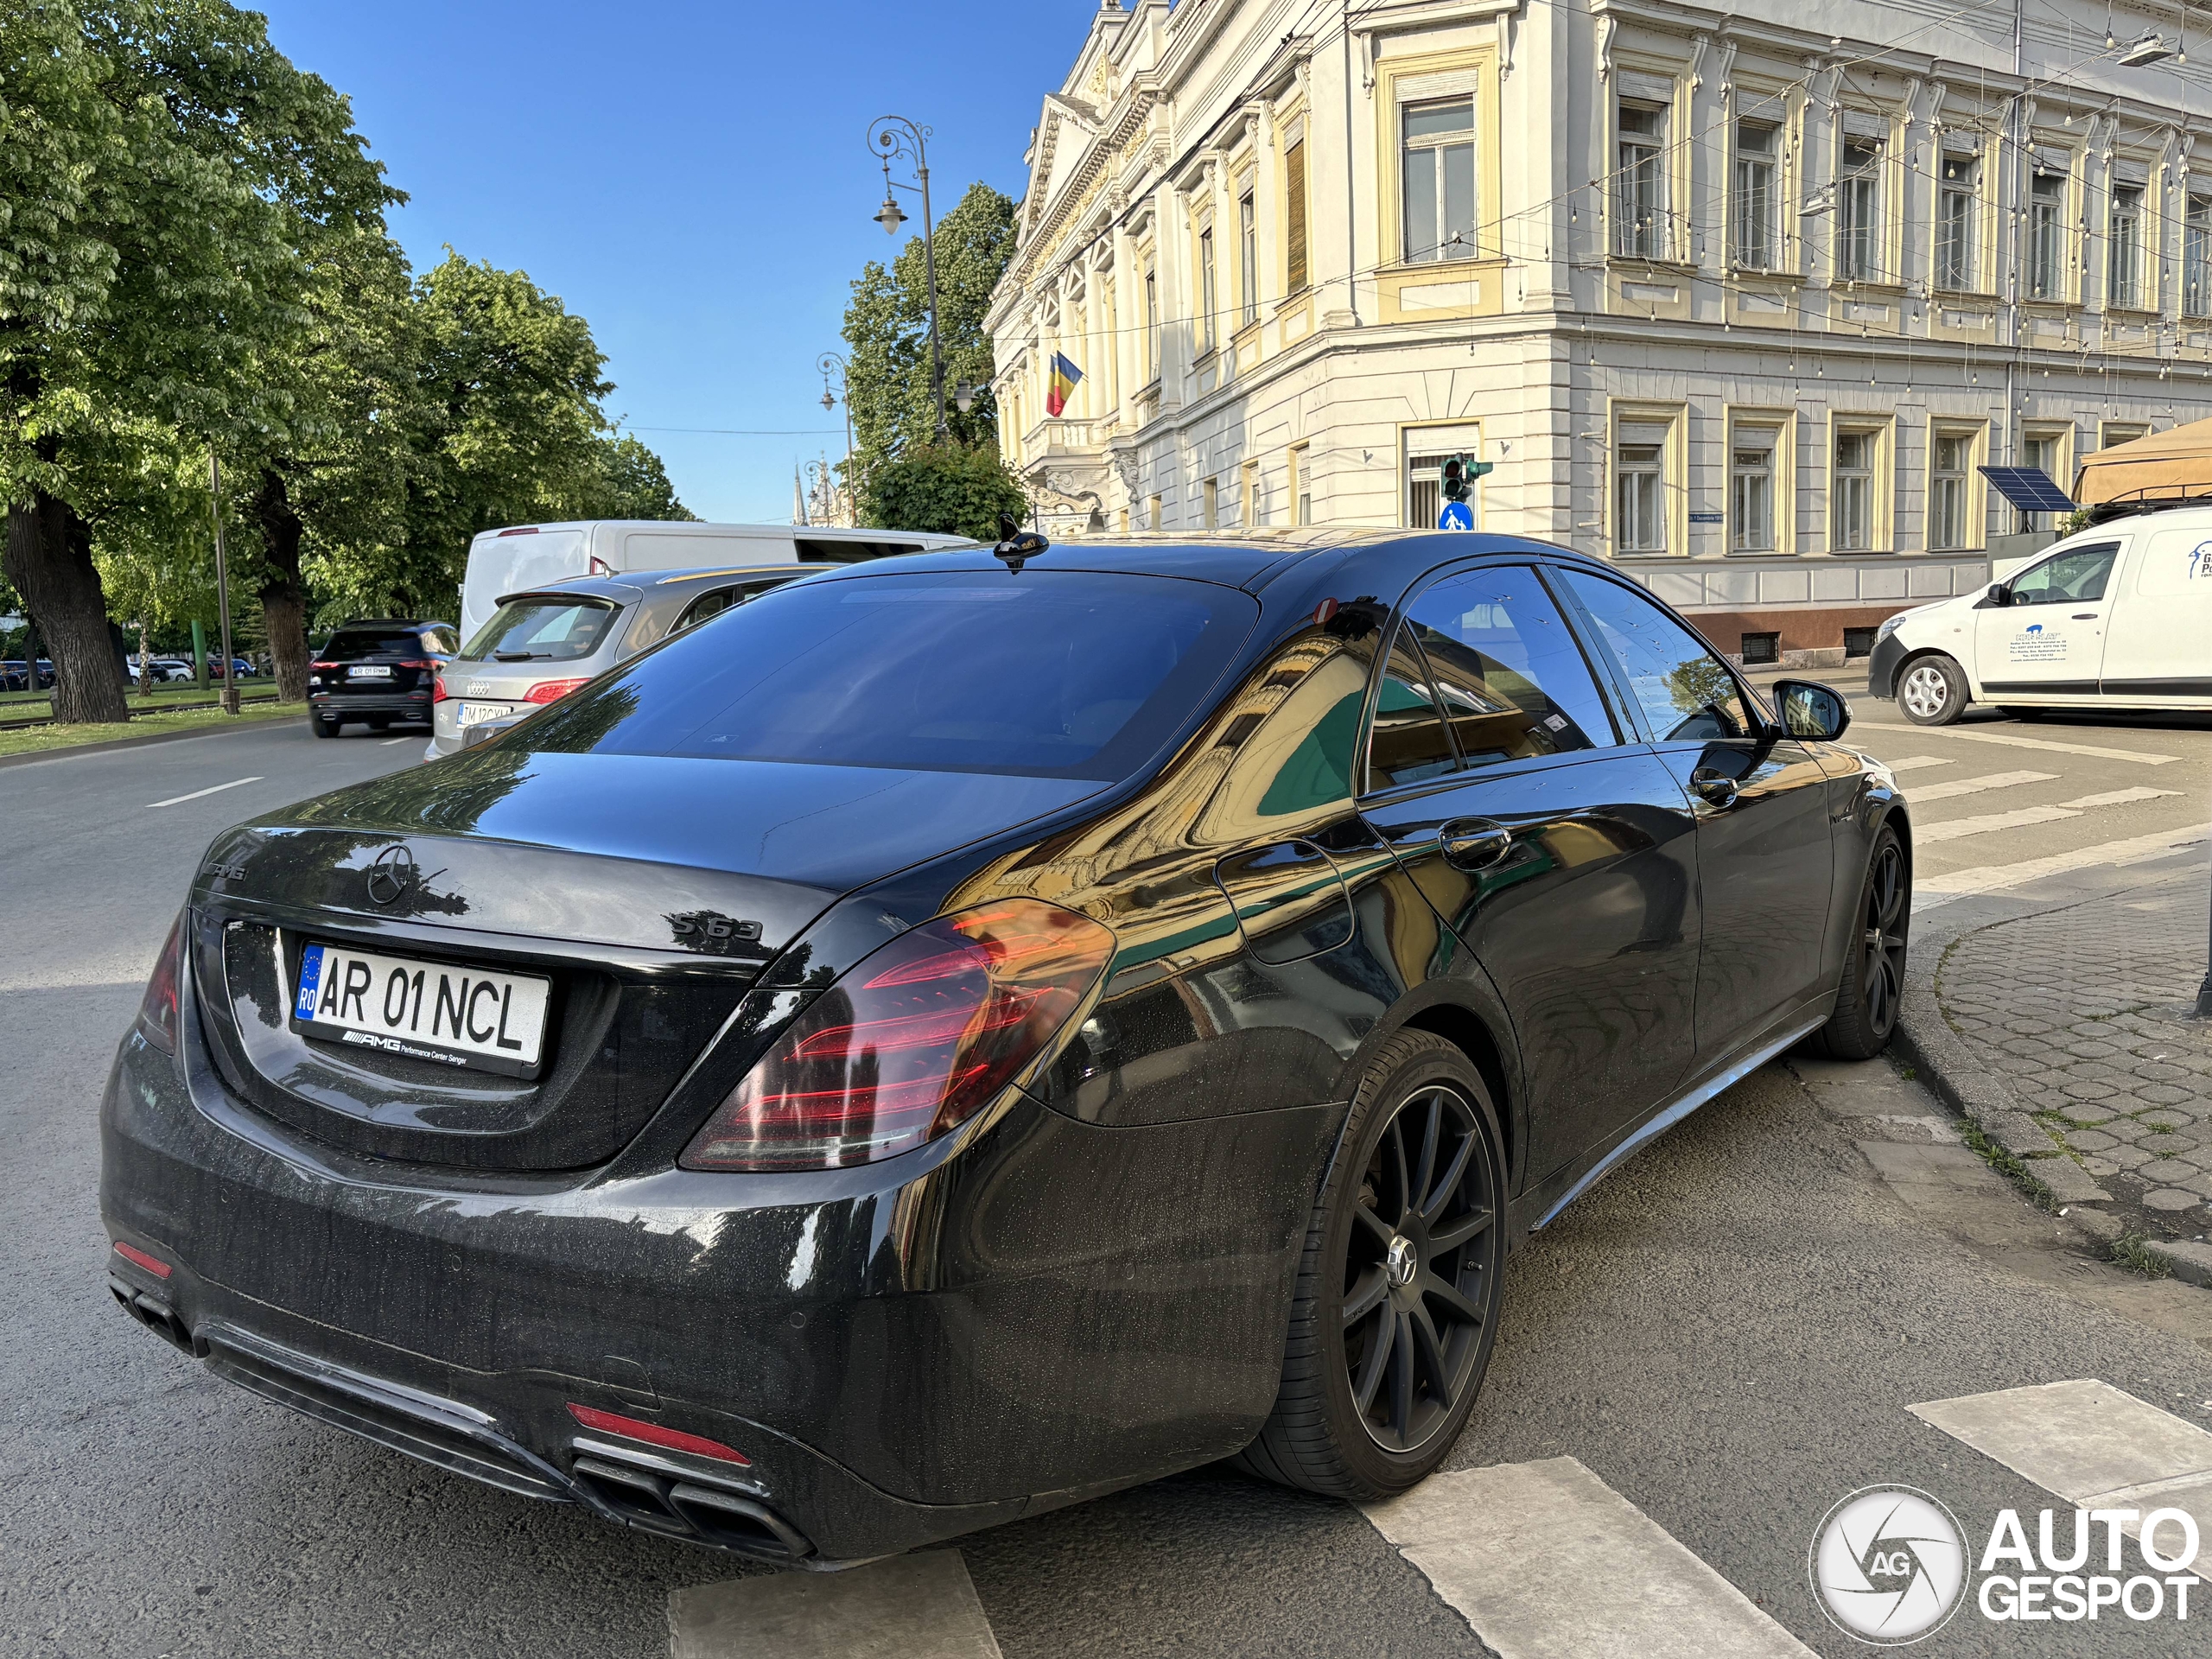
(2085, 1015)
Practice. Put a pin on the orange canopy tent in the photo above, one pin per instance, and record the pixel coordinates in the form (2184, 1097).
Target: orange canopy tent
(2170, 466)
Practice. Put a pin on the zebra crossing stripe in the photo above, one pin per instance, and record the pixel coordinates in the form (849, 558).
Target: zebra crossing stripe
(1546, 1561)
(919, 1606)
(2094, 1446)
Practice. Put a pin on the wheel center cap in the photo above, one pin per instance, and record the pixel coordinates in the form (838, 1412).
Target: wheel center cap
(1400, 1263)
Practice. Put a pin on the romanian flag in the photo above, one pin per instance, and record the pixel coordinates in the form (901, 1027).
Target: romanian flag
(1064, 376)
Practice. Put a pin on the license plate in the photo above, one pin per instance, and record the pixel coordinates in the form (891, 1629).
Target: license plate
(368, 671)
(476, 713)
(461, 1017)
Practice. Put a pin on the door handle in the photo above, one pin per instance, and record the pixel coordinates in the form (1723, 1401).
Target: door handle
(2085, 616)
(1471, 845)
(1714, 788)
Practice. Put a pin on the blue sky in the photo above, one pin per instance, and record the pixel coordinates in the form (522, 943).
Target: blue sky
(691, 177)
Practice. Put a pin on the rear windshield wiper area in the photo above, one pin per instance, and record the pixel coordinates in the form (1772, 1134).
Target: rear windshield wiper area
(521, 656)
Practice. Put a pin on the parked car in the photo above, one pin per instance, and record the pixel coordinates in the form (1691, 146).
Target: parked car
(2116, 616)
(943, 1040)
(167, 671)
(540, 645)
(377, 672)
(530, 555)
(18, 679)
(239, 666)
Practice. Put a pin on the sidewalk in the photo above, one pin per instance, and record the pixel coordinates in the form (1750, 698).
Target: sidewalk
(2067, 1032)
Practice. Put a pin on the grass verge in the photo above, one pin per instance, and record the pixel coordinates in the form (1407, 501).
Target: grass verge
(43, 739)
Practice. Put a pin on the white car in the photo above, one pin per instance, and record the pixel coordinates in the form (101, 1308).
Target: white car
(2119, 616)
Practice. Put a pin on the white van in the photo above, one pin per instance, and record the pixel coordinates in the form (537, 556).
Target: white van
(2117, 616)
(530, 555)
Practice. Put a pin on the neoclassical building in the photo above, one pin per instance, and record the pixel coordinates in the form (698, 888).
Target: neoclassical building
(1741, 300)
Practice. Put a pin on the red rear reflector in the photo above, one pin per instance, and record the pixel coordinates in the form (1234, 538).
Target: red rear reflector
(553, 690)
(674, 1440)
(160, 1269)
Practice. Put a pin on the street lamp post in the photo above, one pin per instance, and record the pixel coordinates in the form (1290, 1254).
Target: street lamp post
(829, 363)
(895, 137)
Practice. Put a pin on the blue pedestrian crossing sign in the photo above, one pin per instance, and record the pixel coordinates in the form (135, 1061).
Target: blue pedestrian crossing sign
(1457, 515)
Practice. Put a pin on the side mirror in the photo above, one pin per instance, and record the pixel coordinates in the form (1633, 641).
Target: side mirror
(1811, 710)
(1999, 593)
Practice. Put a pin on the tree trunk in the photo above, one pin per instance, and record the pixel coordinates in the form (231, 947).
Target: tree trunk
(283, 597)
(50, 560)
(145, 662)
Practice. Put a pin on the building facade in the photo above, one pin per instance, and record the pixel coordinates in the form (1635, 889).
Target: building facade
(1741, 301)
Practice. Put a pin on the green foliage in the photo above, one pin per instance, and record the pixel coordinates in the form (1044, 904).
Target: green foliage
(633, 484)
(886, 325)
(950, 489)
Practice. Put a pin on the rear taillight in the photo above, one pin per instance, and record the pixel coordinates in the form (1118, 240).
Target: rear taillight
(322, 664)
(553, 690)
(157, 1013)
(418, 662)
(438, 692)
(911, 1043)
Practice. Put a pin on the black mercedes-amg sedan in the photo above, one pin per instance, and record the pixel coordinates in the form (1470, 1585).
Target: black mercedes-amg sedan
(964, 1033)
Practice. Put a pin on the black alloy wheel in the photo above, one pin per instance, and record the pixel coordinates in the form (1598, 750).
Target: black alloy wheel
(1871, 992)
(1414, 1282)
(1399, 1289)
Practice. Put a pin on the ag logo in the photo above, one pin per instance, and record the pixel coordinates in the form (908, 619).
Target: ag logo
(1889, 1565)
(393, 876)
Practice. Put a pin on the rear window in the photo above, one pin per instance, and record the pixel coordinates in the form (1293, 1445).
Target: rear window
(1048, 674)
(543, 631)
(353, 644)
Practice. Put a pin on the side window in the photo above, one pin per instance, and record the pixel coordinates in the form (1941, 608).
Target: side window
(2073, 577)
(1511, 680)
(1407, 742)
(706, 605)
(1687, 693)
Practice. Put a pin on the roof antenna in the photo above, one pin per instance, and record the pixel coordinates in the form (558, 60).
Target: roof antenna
(1017, 546)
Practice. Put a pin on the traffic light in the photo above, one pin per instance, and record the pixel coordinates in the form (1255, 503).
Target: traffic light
(1455, 479)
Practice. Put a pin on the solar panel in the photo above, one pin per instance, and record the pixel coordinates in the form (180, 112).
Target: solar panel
(2030, 489)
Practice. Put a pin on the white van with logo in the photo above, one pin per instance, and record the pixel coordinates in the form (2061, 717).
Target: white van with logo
(530, 555)
(2119, 616)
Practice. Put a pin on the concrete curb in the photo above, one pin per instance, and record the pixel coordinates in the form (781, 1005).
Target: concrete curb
(1941, 1059)
(109, 745)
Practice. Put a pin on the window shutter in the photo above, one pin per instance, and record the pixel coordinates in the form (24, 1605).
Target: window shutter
(1294, 171)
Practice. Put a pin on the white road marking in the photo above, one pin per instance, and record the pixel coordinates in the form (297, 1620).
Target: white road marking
(1546, 1561)
(179, 800)
(2007, 738)
(2094, 1446)
(1975, 786)
(1932, 892)
(389, 741)
(1915, 762)
(2122, 797)
(919, 1606)
(2019, 818)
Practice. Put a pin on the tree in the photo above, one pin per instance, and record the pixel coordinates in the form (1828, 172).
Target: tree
(949, 488)
(887, 325)
(157, 159)
(633, 484)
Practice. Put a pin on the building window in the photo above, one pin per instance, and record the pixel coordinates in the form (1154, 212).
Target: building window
(1949, 468)
(1640, 487)
(2039, 451)
(1852, 509)
(1955, 206)
(1247, 259)
(2196, 258)
(1751, 201)
(1152, 519)
(2047, 236)
(2124, 246)
(1425, 482)
(1152, 325)
(1293, 216)
(1210, 496)
(1437, 165)
(1759, 648)
(1301, 488)
(1751, 489)
(1640, 182)
(1858, 214)
(1206, 290)
(1255, 504)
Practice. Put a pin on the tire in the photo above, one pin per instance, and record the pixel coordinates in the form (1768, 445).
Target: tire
(1419, 1349)
(1932, 690)
(322, 728)
(1867, 999)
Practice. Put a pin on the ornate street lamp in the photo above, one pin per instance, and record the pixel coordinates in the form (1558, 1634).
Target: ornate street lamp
(828, 364)
(894, 138)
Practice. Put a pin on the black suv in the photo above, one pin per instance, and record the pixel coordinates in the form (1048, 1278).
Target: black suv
(378, 671)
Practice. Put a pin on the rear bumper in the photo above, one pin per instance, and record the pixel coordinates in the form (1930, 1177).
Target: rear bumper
(359, 705)
(901, 1361)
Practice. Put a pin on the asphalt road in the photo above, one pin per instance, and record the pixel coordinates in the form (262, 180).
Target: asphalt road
(1728, 1334)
